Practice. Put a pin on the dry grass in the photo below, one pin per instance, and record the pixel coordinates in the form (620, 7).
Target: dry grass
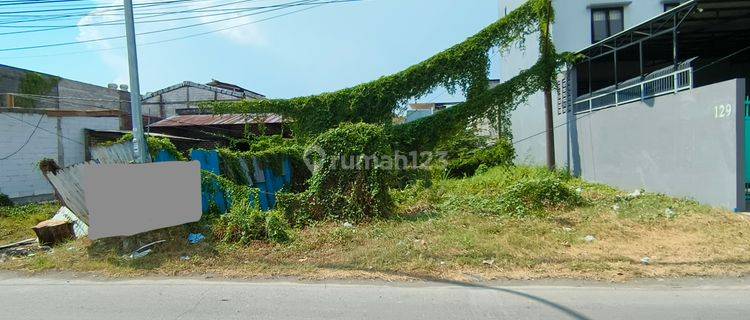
(452, 230)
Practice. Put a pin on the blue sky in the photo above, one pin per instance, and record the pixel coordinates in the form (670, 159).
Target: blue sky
(322, 49)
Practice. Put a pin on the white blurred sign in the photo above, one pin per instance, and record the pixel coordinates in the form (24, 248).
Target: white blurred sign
(126, 199)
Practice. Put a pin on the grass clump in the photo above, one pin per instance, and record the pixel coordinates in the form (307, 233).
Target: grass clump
(246, 222)
(16, 221)
(532, 197)
(276, 227)
(501, 154)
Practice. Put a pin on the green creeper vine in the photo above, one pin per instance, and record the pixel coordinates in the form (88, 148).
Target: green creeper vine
(426, 133)
(358, 120)
(155, 144)
(33, 83)
(463, 66)
(356, 193)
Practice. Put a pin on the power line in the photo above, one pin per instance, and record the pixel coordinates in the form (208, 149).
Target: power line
(36, 2)
(153, 31)
(555, 127)
(150, 15)
(43, 129)
(27, 139)
(144, 15)
(117, 6)
(84, 12)
(227, 11)
(178, 38)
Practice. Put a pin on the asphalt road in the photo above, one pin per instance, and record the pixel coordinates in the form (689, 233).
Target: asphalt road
(60, 298)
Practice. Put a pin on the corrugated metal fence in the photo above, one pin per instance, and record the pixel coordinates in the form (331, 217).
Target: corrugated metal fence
(66, 181)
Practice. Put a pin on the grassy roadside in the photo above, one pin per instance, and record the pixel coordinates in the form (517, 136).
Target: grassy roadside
(16, 222)
(453, 229)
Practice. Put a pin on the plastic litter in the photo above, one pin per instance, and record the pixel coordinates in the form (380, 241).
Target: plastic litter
(635, 194)
(195, 238)
(348, 225)
(589, 238)
(646, 261)
(80, 229)
(144, 250)
(669, 213)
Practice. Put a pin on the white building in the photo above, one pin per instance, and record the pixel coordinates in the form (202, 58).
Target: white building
(579, 24)
(49, 124)
(420, 110)
(30, 135)
(188, 94)
(658, 101)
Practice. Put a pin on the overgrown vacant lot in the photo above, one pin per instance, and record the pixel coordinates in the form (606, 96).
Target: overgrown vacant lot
(506, 223)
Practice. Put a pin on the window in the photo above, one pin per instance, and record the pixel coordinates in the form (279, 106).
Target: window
(605, 22)
(670, 6)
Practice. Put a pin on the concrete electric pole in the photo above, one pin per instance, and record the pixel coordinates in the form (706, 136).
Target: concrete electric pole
(139, 141)
(546, 58)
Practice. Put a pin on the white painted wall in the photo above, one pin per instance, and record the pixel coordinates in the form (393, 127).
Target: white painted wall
(19, 174)
(571, 32)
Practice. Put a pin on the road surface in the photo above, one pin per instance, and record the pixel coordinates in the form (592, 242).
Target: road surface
(61, 298)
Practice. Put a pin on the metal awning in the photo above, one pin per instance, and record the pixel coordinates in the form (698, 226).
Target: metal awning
(697, 43)
(696, 21)
(217, 119)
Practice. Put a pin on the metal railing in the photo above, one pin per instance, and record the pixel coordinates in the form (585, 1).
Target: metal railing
(648, 88)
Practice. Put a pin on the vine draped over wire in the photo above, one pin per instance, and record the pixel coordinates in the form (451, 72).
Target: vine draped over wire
(464, 66)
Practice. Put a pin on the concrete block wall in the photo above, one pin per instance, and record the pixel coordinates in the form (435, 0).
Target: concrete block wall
(676, 144)
(673, 144)
(86, 96)
(10, 79)
(19, 174)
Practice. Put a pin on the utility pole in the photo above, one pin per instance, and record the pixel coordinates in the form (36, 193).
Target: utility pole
(549, 73)
(139, 142)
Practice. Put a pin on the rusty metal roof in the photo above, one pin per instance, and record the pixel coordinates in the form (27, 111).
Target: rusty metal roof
(216, 119)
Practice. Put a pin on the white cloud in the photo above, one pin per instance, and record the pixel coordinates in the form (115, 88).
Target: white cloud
(246, 35)
(116, 59)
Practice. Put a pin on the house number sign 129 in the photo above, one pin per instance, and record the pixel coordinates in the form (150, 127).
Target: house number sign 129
(722, 111)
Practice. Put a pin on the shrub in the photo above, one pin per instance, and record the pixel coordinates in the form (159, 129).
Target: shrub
(530, 197)
(345, 186)
(464, 143)
(293, 207)
(243, 223)
(500, 154)
(276, 227)
(5, 200)
(482, 168)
